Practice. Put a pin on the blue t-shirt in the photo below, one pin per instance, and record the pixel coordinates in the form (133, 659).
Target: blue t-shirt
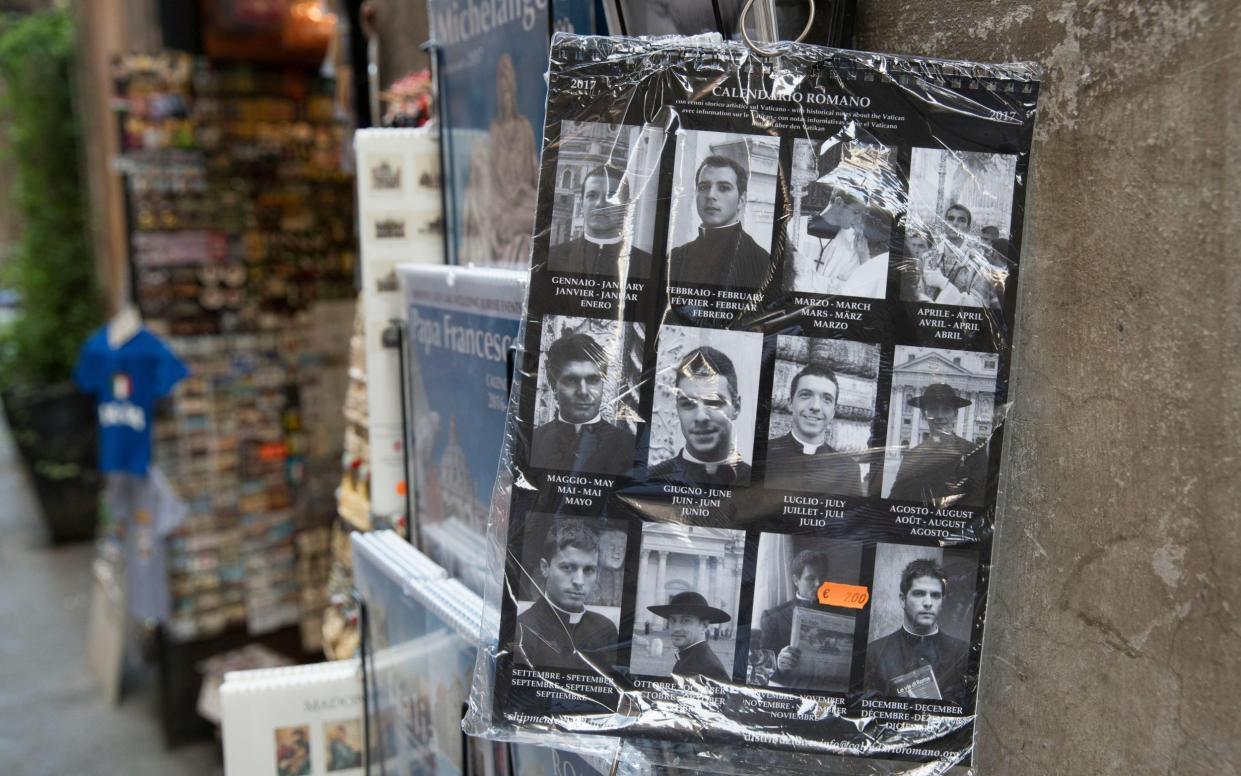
(126, 383)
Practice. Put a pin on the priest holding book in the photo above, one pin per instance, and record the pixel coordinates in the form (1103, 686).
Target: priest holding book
(918, 660)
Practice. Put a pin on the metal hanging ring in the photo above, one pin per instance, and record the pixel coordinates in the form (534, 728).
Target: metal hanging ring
(766, 52)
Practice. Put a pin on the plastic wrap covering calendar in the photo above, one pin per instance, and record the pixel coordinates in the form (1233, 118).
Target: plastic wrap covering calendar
(746, 504)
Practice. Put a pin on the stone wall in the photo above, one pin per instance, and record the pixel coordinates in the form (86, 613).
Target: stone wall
(1113, 639)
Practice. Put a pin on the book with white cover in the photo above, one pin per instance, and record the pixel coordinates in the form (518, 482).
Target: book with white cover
(299, 721)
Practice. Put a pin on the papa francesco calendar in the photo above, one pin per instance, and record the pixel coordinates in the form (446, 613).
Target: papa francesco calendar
(749, 487)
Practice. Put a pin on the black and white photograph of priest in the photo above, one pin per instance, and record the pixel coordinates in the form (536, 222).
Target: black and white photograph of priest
(586, 411)
(795, 641)
(702, 425)
(940, 420)
(921, 617)
(955, 249)
(822, 412)
(603, 215)
(846, 195)
(685, 620)
(723, 209)
(569, 593)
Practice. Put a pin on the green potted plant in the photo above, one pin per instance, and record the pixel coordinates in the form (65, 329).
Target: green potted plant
(51, 269)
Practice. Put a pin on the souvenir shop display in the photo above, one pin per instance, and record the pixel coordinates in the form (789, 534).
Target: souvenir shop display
(745, 514)
(225, 444)
(240, 206)
(236, 444)
(242, 253)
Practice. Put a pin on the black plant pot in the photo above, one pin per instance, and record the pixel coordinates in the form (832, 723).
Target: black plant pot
(56, 434)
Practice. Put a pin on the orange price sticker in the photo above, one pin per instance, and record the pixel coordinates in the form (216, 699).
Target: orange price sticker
(848, 596)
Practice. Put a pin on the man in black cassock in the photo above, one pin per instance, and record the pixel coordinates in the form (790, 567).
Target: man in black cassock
(945, 470)
(722, 254)
(558, 631)
(802, 459)
(810, 571)
(578, 439)
(688, 615)
(598, 249)
(904, 662)
(708, 403)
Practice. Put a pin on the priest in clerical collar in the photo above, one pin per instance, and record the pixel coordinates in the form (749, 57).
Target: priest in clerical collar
(810, 569)
(918, 660)
(578, 439)
(723, 253)
(558, 631)
(802, 459)
(944, 470)
(598, 250)
(689, 615)
(708, 403)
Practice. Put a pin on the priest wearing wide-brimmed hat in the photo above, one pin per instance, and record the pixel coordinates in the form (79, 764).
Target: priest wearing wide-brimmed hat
(945, 470)
(689, 615)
